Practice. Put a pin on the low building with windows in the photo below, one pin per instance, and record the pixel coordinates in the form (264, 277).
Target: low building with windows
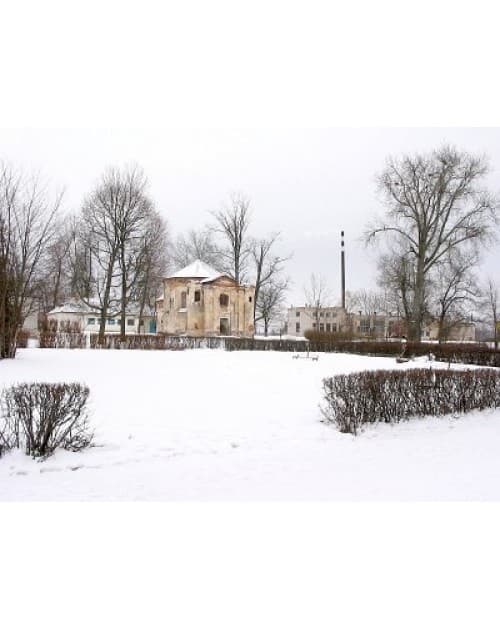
(201, 301)
(79, 317)
(362, 325)
(324, 319)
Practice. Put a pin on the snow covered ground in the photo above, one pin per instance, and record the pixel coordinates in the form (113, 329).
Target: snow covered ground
(215, 425)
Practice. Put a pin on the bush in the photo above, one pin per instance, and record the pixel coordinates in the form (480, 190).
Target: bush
(22, 338)
(67, 340)
(393, 395)
(40, 417)
(470, 353)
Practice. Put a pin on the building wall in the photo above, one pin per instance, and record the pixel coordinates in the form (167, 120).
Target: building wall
(328, 319)
(372, 326)
(89, 322)
(193, 307)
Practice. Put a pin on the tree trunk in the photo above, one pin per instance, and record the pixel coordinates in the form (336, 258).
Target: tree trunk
(105, 302)
(123, 301)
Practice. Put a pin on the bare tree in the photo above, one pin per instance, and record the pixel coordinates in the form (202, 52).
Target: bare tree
(196, 245)
(368, 302)
(27, 216)
(154, 263)
(113, 230)
(396, 278)
(95, 261)
(268, 267)
(491, 305)
(317, 294)
(436, 204)
(454, 290)
(232, 223)
(53, 284)
(271, 300)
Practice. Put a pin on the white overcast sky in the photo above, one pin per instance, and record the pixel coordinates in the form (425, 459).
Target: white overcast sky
(308, 184)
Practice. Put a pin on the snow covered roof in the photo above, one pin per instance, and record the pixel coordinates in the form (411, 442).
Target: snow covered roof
(76, 307)
(70, 307)
(197, 269)
(215, 277)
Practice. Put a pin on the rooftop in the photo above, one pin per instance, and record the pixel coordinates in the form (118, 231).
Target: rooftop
(197, 269)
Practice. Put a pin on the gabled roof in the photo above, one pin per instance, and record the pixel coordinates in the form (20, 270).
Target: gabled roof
(197, 269)
(78, 307)
(216, 277)
(70, 307)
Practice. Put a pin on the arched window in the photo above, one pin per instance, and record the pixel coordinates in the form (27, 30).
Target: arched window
(224, 299)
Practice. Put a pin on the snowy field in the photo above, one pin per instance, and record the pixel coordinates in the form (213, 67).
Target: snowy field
(215, 425)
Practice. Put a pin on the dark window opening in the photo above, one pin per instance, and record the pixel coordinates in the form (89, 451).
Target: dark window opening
(224, 326)
(197, 296)
(224, 300)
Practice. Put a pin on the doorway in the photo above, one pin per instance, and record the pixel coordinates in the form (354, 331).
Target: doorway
(224, 326)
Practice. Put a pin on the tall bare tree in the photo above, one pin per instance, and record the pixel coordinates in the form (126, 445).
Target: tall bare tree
(317, 294)
(153, 265)
(27, 218)
(232, 223)
(454, 291)
(196, 244)
(271, 300)
(491, 305)
(113, 229)
(436, 203)
(268, 266)
(53, 285)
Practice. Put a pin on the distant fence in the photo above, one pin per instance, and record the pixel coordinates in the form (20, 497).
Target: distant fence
(132, 342)
(473, 354)
(70, 340)
(156, 342)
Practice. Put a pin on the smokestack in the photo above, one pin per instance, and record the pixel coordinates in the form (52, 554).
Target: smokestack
(342, 267)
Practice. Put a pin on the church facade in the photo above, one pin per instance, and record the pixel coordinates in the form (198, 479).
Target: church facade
(200, 301)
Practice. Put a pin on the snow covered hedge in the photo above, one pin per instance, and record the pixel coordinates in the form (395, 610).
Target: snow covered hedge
(40, 417)
(352, 400)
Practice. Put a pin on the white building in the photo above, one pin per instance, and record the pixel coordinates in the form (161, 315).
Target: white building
(324, 319)
(83, 318)
(360, 325)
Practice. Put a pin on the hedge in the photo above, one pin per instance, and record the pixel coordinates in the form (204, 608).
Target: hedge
(352, 400)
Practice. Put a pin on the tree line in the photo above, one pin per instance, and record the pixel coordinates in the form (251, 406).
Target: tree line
(115, 250)
(439, 218)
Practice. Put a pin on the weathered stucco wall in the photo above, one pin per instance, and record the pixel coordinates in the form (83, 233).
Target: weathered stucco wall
(194, 307)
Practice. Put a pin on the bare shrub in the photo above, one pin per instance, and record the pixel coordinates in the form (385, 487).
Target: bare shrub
(41, 417)
(451, 352)
(353, 400)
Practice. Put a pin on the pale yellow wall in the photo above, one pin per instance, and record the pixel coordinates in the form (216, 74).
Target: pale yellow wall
(203, 318)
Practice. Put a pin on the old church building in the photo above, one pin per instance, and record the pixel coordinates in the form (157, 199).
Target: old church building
(199, 300)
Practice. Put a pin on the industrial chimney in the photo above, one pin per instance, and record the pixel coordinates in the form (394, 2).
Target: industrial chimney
(342, 267)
